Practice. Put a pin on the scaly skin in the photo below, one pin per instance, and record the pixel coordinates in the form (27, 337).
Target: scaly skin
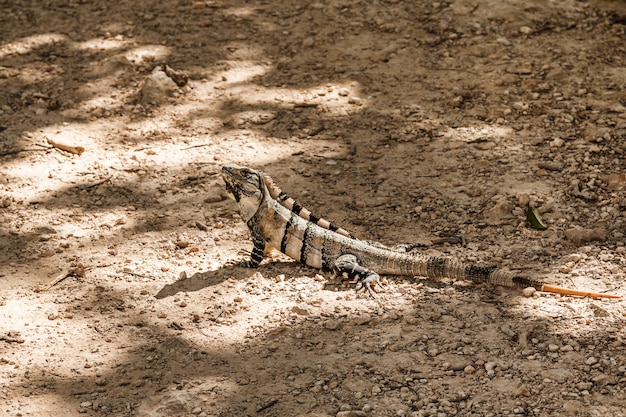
(274, 225)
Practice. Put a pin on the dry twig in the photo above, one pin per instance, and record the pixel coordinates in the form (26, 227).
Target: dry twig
(78, 272)
(77, 150)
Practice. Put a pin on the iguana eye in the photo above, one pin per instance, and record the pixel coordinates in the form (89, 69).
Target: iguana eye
(251, 177)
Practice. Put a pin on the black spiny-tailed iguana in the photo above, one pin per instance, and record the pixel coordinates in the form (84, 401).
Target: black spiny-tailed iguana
(276, 221)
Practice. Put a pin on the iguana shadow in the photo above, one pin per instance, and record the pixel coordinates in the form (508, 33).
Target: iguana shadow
(202, 280)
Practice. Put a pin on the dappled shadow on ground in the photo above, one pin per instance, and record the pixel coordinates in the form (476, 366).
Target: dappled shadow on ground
(74, 72)
(396, 120)
(319, 361)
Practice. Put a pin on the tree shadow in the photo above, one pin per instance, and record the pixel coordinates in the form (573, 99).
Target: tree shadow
(375, 185)
(319, 361)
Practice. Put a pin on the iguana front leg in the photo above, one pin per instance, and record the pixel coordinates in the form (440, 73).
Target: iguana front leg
(258, 251)
(348, 265)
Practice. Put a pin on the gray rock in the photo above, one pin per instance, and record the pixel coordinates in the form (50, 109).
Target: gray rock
(157, 88)
(169, 404)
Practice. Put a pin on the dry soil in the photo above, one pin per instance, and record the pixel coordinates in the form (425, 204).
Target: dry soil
(435, 123)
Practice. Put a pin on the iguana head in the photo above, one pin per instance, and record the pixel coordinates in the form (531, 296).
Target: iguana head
(246, 186)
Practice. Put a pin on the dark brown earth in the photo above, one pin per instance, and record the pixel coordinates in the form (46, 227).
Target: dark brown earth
(435, 123)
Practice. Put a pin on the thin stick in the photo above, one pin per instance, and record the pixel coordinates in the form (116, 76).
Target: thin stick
(304, 105)
(197, 146)
(76, 150)
(55, 281)
(87, 187)
(566, 291)
(452, 69)
(75, 272)
(266, 406)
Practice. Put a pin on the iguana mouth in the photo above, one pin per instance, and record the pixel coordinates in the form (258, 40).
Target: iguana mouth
(231, 190)
(229, 176)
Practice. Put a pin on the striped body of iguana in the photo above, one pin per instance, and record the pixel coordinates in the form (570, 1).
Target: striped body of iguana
(276, 221)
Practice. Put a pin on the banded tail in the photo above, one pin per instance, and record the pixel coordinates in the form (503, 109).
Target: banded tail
(381, 261)
(511, 280)
(279, 195)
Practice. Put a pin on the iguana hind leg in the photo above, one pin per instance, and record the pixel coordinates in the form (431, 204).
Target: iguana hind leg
(365, 279)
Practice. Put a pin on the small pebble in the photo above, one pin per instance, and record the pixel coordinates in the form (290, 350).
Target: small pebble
(575, 257)
(523, 199)
(525, 30)
(522, 391)
(503, 41)
(362, 320)
(506, 329)
(351, 413)
(520, 106)
(332, 324)
(556, 143)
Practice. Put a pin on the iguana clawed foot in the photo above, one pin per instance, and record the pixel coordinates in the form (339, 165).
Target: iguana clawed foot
(255, 256)
(244, 263)
(248, 262)
(365, 278)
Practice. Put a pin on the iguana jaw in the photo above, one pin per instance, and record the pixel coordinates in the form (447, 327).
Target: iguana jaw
(246, 187)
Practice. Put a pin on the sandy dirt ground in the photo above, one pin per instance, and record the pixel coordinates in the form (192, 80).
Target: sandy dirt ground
(427, 122)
